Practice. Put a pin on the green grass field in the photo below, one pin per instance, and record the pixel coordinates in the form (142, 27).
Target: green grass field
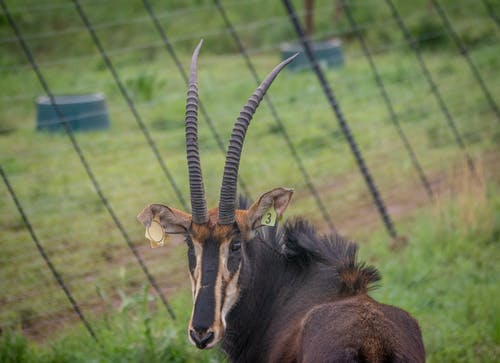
(446, 276)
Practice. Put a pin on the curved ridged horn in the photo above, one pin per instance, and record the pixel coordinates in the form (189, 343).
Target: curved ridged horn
(198, 201)
(227, 201)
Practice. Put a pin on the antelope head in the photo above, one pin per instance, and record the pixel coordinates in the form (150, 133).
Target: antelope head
(215, 237)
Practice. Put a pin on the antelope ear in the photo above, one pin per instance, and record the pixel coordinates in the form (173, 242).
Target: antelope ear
(173, 221)
(271, 206)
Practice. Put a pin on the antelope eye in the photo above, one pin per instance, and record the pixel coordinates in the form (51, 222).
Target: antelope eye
(235, 246)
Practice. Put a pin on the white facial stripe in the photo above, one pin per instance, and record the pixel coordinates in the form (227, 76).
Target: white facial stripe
(196, 276)
(232, 291)
(218, 292)
(192, 284)
(224, 255)
(232, 294)
(198, 250)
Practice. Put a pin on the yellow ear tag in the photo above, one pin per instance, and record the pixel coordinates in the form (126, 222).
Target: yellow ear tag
(156, 234)
(269, 217)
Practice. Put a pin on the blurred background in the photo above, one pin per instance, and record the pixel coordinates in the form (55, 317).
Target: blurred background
(404, 160)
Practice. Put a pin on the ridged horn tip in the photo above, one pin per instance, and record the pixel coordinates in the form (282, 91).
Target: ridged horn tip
(227, 200)
(194, 60)
(291, 58)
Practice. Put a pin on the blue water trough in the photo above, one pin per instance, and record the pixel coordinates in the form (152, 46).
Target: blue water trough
(84, 112)
(328, 53)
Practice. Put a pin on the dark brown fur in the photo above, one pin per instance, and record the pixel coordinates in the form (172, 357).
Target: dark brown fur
(304, 299)
(355, 329)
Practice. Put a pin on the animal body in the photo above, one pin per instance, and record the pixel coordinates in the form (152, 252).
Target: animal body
(275, 294)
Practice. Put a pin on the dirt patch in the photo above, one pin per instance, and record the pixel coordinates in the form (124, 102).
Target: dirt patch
(360, 214)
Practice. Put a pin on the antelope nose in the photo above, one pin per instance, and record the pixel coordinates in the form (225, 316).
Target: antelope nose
(201, 337)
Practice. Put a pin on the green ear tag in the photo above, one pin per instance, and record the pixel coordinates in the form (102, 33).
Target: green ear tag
(269, 217)
(156, 234)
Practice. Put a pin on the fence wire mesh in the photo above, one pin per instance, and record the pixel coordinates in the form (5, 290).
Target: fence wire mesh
(398, 58)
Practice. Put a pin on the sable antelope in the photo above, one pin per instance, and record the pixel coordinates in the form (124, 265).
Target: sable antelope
(274, 294)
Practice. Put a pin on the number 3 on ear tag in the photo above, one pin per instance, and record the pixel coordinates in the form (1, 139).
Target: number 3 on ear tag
(269, 217)
(156, 234)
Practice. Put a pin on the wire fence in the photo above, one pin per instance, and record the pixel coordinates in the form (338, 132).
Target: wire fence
(409, 109)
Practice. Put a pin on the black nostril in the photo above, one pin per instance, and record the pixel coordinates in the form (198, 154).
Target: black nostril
(208, 338)
(194, 336)
(201, 337)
